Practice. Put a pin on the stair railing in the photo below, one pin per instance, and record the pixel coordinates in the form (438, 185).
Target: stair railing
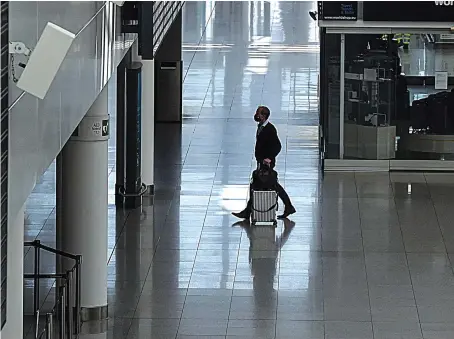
(67, 306)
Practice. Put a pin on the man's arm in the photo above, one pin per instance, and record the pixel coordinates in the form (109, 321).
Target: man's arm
(274, 144)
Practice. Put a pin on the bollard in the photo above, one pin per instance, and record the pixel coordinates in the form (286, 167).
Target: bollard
(78, 295)
(36, 323)
(36, 278)
(70, 302)
(49, 326)
(62, 328)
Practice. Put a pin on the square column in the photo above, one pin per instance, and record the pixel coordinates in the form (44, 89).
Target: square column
(147, 125)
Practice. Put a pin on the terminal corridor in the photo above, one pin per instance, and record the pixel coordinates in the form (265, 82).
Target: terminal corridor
(366, 256)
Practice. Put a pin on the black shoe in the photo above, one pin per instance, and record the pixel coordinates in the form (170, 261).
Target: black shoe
(242, 215)
(242, 223)
(288, 211)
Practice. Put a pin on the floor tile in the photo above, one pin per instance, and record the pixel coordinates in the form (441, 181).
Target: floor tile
(348, 330)
(252, 328)
(397, 330)
(437, 330)
(301, 329)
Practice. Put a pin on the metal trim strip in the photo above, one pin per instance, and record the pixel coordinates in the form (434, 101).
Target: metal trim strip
(351, 165)
(422, 165)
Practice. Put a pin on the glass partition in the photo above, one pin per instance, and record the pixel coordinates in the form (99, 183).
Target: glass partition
(369, 98)
(388, 97)
(426, 120)
(330, 93)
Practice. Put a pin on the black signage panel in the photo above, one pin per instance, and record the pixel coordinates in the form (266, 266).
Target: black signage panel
(105, 128)
(338, 10)
(418, 11)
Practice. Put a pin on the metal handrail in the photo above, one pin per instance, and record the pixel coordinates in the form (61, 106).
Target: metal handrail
(48, 330)
(57, 311)
(37, 243)
(67, 298)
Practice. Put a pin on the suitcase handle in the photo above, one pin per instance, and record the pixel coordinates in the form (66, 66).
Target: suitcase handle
(269, 209)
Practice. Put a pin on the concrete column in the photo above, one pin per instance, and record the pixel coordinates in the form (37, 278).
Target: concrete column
(147, 126)
(15, 276)
(82, 225)
(94, 330)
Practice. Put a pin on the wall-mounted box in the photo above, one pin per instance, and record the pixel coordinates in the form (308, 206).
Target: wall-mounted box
(45, 60)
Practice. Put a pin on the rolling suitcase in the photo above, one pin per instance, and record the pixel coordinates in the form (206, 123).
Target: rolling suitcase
(264, 208)
(264, 196)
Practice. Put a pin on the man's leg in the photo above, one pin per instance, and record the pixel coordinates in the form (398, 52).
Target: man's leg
(246, 213)
(289, 209)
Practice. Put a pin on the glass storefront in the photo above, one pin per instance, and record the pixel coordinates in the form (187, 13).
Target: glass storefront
(388, 98)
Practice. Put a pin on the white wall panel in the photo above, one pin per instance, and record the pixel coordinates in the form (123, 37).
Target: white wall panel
(14, 321)
(40, 128)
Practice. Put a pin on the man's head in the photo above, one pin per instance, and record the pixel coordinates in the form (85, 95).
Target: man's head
(262, 114)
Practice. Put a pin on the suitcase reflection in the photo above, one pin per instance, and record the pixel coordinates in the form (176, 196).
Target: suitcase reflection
(264, 248)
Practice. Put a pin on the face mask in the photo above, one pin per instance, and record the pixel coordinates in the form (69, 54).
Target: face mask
(257, 118)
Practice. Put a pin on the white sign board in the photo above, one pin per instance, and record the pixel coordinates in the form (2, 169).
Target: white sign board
(441, 80)
(370, 74)
(92, 129)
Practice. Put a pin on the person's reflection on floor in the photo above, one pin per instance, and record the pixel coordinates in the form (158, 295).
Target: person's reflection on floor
(264, 248)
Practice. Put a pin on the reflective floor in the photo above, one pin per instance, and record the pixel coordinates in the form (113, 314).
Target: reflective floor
(366, 255)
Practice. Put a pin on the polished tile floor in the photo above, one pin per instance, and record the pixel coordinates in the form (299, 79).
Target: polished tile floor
(366, 255)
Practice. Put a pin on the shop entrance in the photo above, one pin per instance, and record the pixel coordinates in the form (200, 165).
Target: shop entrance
(387, 99)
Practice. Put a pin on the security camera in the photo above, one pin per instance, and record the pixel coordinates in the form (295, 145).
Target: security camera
(313, 15)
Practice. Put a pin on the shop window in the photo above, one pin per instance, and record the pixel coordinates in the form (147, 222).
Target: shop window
(393, 105)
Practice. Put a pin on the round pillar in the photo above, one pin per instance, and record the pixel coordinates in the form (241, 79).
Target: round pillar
(82, 228)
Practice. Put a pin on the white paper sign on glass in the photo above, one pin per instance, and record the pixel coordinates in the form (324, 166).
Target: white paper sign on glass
(441, 80)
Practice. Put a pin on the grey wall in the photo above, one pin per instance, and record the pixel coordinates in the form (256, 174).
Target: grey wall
(40, 128)
(4, 104)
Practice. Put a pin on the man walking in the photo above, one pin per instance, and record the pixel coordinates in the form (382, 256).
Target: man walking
(267, 147)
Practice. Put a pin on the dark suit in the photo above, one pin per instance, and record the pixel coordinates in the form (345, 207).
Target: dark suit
(268, 146)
